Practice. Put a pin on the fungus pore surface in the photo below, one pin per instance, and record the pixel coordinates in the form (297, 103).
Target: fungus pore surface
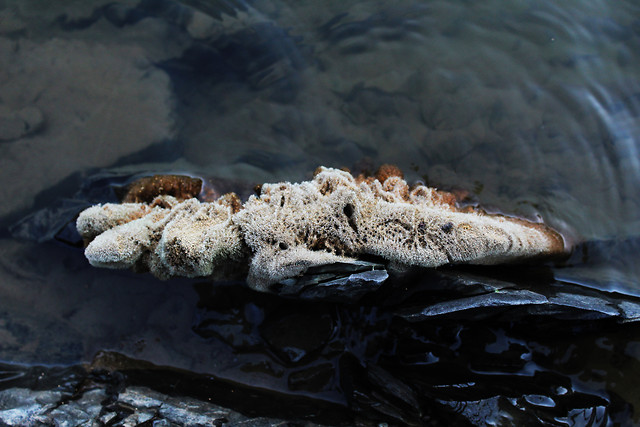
(290, 227)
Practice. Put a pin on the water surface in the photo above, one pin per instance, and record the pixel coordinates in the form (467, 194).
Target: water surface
(532, 107)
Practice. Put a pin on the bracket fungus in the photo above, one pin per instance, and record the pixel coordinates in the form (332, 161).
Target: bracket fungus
(291, 227)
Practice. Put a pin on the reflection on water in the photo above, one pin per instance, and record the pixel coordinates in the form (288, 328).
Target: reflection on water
(532, 107)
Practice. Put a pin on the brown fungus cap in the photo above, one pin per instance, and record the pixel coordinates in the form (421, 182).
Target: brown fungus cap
(145, 189)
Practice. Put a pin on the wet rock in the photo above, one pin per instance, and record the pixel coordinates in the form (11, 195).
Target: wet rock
(470, 296)
(53, 222)
(76, 412)
(338, 281)
(22, 407)
(484, 302)
(133, 406)
(148, 404)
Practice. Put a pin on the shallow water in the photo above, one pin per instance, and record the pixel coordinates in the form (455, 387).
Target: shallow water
(533, 107)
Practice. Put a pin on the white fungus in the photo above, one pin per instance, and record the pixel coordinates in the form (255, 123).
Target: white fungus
(291, 227)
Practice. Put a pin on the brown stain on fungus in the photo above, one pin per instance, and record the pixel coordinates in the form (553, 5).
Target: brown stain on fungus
(146, 189)
(557, 246)
(382, 173)
(386, 171)
(232, 200)
(446, 198)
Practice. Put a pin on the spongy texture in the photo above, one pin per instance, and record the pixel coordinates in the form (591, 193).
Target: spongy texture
(169, 238)
(100, 218)
(291, 227)
(196, 239)
(335, 216)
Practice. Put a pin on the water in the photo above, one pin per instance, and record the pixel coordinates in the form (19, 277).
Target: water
(533, 107)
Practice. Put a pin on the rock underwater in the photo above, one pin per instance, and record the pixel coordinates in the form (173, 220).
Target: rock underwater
(291, 227)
